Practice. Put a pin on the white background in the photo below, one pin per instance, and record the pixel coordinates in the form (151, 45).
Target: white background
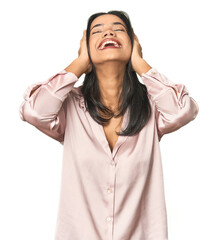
(40, 38)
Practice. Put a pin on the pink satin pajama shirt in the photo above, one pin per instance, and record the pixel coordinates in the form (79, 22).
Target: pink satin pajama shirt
(106, 195)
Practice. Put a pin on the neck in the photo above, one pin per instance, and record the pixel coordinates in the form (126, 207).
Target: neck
(110, 79)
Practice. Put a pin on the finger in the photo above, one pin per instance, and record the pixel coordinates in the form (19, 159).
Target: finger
(134, 34)
(84, 33)
(133, 31)
(136, 38)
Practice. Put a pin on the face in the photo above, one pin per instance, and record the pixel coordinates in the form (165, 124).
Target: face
(111, 28)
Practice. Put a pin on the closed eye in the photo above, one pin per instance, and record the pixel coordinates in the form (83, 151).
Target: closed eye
(96, 32)
(114, 30)
(120, 30)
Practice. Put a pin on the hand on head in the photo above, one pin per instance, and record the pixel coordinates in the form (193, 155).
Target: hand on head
(83, 54)
(136, 56)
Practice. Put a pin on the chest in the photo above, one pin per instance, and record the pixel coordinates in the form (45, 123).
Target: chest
(110, 130)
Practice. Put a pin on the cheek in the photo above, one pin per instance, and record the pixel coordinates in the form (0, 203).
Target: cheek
(128, 46)
(94, 55)
(92, 49)
(128, 50)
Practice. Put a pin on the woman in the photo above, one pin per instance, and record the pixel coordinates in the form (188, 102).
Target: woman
(110, 127)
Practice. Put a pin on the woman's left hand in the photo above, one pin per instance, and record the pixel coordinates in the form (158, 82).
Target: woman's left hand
(139, 65)
(136, 56)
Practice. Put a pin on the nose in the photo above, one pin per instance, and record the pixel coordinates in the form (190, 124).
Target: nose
(109, 32)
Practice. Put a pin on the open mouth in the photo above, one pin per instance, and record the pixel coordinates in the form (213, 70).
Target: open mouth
(109, 43)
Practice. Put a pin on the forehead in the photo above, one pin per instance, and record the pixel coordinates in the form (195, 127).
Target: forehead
(106, 19)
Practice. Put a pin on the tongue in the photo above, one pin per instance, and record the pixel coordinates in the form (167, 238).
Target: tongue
(109, 44)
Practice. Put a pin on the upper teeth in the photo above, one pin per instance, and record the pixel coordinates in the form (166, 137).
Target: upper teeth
(103, 45)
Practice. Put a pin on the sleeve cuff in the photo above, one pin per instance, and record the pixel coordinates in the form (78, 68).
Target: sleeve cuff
(58, 84)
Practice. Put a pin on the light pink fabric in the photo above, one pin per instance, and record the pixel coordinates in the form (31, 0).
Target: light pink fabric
(106, 195)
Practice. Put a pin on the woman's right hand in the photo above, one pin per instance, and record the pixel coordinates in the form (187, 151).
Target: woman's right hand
(82, 63)
(83, 54)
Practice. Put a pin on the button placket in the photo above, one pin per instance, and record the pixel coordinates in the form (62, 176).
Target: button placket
(110, 197)
(110, 190)
(109, 219)
(113, 164)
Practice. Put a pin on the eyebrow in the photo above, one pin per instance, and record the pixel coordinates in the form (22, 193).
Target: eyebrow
(114, 23)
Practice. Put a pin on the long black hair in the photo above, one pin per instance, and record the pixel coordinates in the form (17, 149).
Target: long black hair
(133, 95)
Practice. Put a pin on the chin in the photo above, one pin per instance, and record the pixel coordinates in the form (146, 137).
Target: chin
(110, 58)
(109, 55)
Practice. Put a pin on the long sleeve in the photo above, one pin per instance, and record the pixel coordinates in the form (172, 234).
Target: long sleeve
(43, 104)
(174, 107)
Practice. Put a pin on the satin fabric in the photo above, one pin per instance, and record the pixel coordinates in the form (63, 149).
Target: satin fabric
(108, 195)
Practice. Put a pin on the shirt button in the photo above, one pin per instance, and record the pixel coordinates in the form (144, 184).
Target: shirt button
(113, 163)
(109, 190)
(108, 219)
